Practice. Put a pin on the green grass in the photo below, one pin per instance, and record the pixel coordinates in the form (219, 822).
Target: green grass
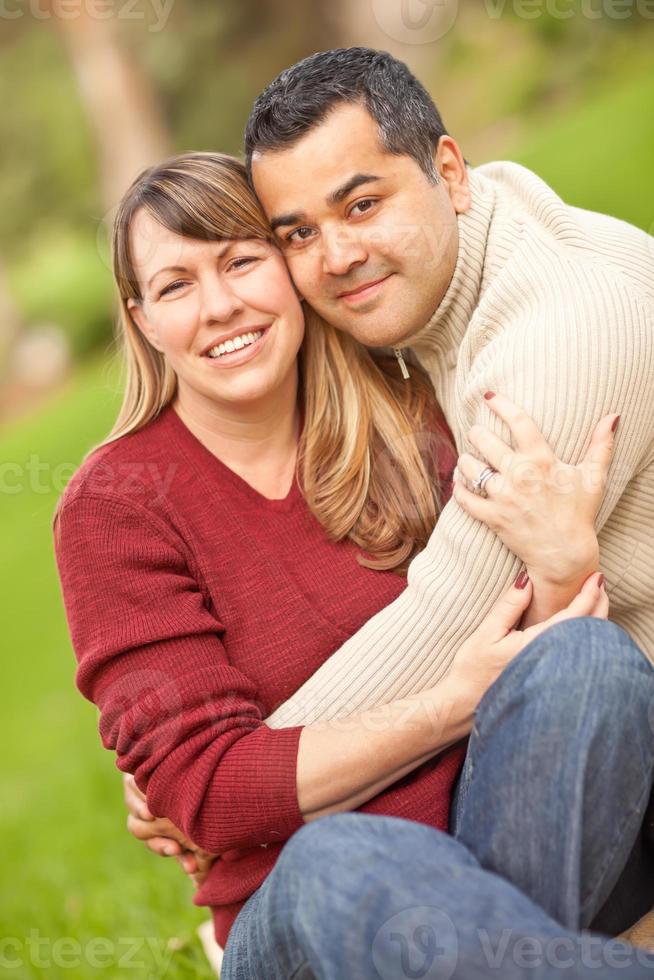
(69, 867)
(601, 157)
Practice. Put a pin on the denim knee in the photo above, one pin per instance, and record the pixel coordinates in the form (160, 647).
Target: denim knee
(574, 659)
(359, 840)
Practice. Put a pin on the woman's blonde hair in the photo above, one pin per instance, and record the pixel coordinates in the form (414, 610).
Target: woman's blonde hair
(371, 442)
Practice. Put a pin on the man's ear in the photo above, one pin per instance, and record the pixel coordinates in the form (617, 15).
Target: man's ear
(142, 322)
(454, 172)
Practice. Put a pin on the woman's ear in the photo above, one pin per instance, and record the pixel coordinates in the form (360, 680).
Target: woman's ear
(138, 316)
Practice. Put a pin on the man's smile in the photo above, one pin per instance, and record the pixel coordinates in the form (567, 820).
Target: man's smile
(365, 291)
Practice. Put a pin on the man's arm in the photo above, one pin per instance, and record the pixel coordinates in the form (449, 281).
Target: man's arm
(567, 369)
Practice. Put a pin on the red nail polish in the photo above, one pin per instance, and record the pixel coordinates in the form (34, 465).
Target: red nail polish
(615, 424)
(522, 579)
(600, 582)
(489, 395)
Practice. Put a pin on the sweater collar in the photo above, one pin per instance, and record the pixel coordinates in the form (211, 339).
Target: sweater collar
(448, 324)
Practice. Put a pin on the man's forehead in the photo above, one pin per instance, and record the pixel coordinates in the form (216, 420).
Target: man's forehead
(315, 170)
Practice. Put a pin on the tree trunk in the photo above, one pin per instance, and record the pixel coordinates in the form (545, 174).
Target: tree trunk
(121, 105)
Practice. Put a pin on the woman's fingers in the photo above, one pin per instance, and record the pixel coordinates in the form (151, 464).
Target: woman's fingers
(509, 608)
(478, 507)
(187, 862)
(159, 843)
(600, 451)
(134, 799)
(491, 447)
(159, 827)
(164, 846)
(590, 601)
(526, 434)
(472, 468)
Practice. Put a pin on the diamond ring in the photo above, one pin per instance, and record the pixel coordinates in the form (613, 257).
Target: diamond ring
(482, 480)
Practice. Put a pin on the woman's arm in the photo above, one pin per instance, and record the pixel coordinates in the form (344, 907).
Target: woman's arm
(176, 712)
(342, 764)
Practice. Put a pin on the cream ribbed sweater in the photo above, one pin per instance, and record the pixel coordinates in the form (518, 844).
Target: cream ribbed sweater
(554, 307)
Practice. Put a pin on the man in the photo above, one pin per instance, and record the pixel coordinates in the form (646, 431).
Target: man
(495, 286)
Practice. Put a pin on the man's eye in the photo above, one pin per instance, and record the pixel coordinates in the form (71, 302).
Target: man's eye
(300, 234)
(173, 287)
(363, 206)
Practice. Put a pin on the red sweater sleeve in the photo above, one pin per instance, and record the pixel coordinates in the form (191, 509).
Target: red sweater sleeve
(185, 722)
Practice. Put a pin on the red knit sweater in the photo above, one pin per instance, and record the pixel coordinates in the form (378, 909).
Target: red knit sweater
(196, 606)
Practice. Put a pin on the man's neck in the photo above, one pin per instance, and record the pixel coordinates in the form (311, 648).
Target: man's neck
(447, 326)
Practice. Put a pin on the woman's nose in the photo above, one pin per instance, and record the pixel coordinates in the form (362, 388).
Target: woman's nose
(219, 301)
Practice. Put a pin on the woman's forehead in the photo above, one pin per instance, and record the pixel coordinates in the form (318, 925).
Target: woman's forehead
(151, 241)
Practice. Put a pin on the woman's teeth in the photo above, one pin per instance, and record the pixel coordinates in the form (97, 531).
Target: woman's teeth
(236, 343)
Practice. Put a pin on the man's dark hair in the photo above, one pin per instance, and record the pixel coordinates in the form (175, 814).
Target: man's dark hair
(301, 97)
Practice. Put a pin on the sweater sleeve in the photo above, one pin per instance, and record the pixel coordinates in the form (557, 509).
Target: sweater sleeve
(179, 716)
(568, 364)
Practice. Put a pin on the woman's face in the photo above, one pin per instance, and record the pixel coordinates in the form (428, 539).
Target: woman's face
(233, 298)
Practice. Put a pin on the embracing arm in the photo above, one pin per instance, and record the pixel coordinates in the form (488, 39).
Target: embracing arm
(179, 716)
(591, 369)
(187, 723)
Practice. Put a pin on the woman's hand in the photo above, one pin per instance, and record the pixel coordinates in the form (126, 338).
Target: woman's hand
(163, 837)
(484, 655)
(541, 508)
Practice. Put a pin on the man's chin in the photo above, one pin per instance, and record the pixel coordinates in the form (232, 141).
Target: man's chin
(373, 333)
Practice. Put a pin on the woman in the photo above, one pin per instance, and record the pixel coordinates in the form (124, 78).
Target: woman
(203, 582)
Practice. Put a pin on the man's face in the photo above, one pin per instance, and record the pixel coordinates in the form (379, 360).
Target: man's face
(371, 244)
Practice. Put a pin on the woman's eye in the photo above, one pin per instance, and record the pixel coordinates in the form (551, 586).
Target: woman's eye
(300, 234)
(242, 262)
(363, 206)
(173, 287)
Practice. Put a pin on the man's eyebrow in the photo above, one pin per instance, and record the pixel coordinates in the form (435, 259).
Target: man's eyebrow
(284, 220)
(296, 217)
(350, 185)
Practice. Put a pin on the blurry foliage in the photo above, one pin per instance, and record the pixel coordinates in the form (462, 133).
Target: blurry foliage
(502, 80)
(46, 167)
(61, 279)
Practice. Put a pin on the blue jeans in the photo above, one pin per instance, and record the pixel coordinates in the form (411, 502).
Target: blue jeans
(547, 819)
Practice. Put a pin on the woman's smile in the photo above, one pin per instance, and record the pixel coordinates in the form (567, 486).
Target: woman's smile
(238, 349)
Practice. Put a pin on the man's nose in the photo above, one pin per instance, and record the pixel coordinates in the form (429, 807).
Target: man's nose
(219, 301)
(342, 250)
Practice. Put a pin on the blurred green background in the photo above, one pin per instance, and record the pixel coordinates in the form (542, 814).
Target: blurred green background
(567, 89)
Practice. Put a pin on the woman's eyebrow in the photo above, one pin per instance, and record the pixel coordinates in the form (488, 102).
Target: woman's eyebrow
(225, 247)
(167, 268)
